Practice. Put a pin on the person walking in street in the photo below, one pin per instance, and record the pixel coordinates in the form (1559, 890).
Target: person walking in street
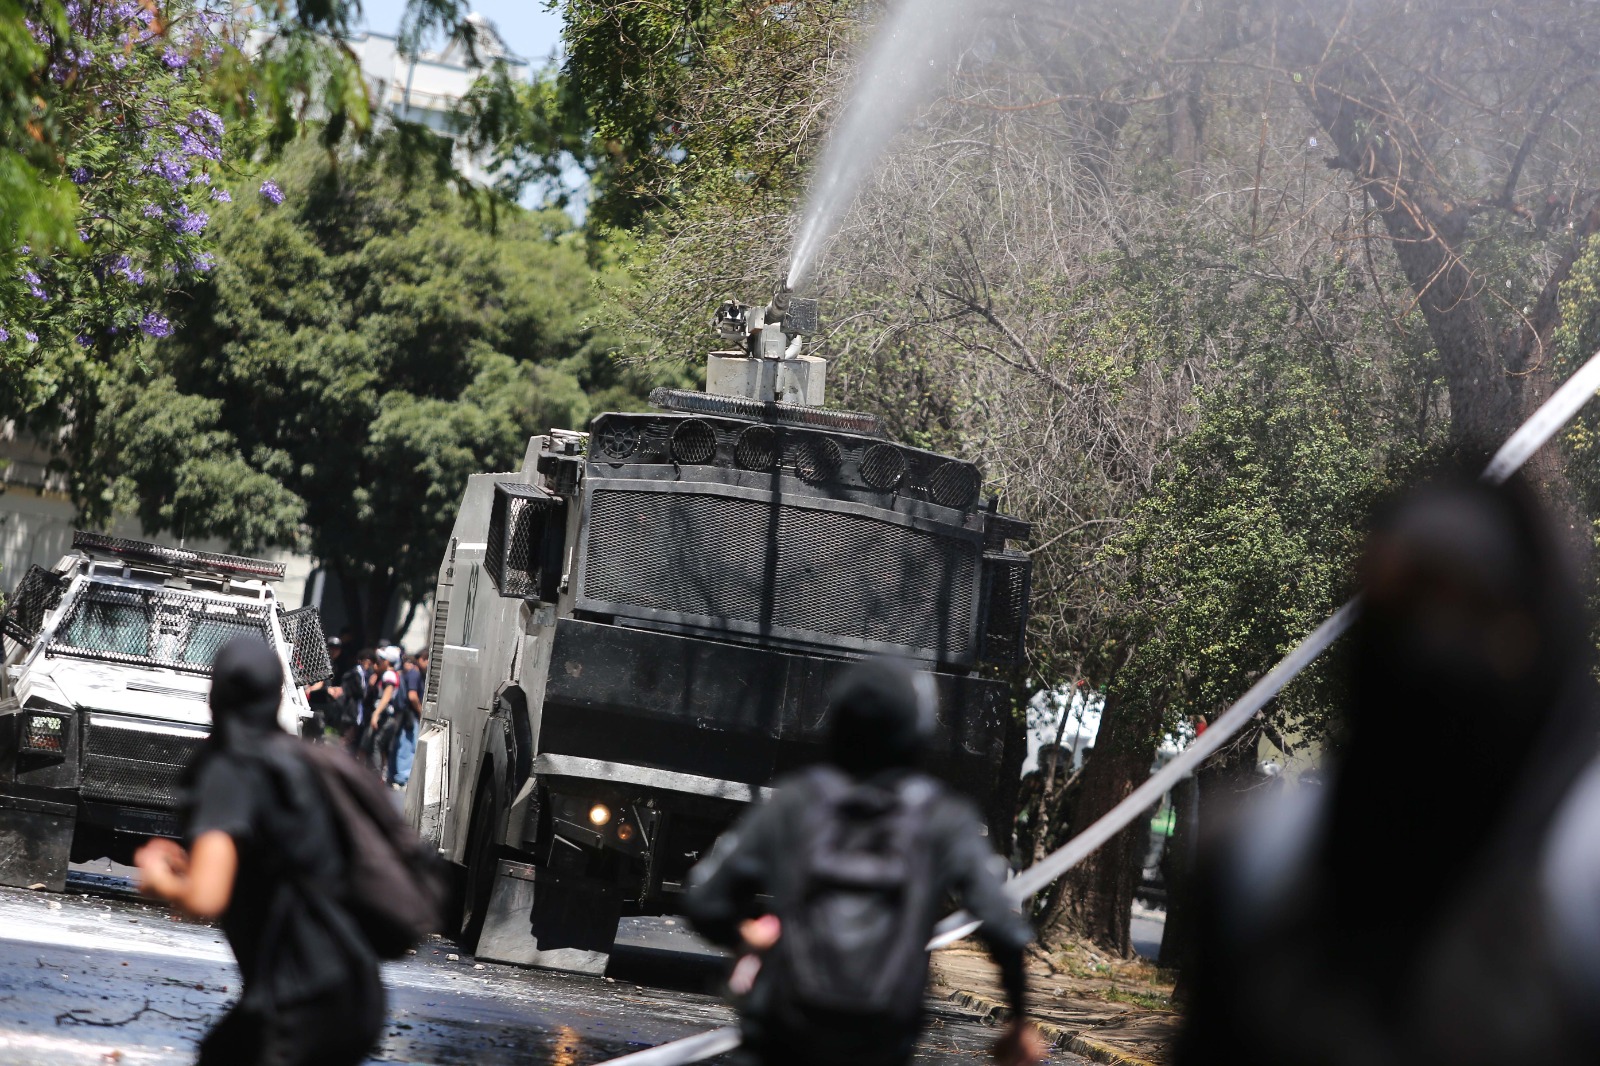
(406, 720)
(262, 855)
(381, 726)
(857, 857)
(360, 694)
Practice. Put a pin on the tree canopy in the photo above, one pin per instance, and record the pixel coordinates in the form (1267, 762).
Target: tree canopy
(358, 350)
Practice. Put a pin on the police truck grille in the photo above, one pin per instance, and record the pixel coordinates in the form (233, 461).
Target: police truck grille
(135, 767)
(797, 573)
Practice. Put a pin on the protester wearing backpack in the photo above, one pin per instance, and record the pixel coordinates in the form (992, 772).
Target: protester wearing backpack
(306, 865)
(857, 856)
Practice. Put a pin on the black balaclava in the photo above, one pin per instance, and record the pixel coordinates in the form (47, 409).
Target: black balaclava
(882, 713)
(246, 691)
(1463, 668)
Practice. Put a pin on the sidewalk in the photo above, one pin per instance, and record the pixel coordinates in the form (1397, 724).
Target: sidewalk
(1107, 1011)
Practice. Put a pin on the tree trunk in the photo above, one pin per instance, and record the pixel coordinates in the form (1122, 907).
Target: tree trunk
(366, 602)
(1095, 900)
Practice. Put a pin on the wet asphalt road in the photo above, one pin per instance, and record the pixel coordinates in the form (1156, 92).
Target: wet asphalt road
(94, 976)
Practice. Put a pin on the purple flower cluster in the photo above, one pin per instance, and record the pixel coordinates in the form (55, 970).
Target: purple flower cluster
(81, 175)
(155, 325)
(123, 265)
(270, 192)
(195, 144)
(222, 196)
(207, 121)
(192, 223)
(5, 334)
(35, 284)
(168, 166)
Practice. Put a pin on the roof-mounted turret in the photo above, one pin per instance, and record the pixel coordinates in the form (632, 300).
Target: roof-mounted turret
(768, 365)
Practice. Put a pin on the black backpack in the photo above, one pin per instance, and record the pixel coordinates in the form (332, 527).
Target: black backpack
(395, 885)
(857, 924)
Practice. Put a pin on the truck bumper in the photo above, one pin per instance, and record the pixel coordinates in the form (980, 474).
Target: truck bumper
(35, 842)
(537, 917)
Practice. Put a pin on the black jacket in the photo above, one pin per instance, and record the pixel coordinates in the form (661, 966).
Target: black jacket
(756, 859)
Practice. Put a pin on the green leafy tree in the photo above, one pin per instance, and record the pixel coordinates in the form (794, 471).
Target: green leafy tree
(359, 350)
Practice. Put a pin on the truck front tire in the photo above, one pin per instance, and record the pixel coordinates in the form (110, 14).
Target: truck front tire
(478, 884)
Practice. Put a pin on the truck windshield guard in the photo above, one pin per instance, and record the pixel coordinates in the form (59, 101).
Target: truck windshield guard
(154, 627)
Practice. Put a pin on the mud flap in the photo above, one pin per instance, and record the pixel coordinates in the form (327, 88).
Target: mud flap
(535, 918)
(35, 842)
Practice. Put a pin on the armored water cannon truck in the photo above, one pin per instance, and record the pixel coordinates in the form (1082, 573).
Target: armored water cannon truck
(103, 699)
(634, 633)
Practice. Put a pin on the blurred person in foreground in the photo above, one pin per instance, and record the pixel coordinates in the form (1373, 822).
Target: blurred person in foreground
(857, 857)
(261, 855)
(1439, 900)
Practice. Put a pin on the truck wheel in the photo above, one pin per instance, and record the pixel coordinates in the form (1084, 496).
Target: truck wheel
(481, 855)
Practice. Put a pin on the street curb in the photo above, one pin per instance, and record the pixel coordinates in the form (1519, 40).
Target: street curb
(1095, 1051)
(991, 1011)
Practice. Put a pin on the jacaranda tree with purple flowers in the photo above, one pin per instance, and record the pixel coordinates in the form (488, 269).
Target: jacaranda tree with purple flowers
(137, 135)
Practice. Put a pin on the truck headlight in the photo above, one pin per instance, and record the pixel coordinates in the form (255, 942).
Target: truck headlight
(599, 814)
(44, 732)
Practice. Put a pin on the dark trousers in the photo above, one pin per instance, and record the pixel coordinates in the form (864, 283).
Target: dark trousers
(339, 1030)
(839, 1044)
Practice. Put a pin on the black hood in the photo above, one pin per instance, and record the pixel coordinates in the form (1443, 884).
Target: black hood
(1469, 710)
(882, 713)
(246, 689)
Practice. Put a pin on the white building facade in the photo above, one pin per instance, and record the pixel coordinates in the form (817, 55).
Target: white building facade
(427, 89)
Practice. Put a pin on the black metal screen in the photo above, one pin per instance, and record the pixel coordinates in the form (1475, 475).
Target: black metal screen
(154, 627)
(826, 576)
(1007, 581)
(133, 766)
(308, 646)
(514, 556)
(37, 594)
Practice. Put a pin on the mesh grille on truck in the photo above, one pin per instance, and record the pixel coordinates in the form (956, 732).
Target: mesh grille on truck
(37, 594)
(1007, 587)
(154, 627)
(821, 575)
(308, 653)
(135, 767)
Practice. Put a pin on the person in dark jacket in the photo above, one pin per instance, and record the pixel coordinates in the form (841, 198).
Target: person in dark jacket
(1439, 901)
(261, 856)
(881, 714)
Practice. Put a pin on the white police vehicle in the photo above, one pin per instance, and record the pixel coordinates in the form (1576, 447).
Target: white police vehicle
(103, 697)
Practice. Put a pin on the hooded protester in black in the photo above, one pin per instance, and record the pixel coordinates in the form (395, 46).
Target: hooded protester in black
(1433, 904)
(312, 993)
(881, 716)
